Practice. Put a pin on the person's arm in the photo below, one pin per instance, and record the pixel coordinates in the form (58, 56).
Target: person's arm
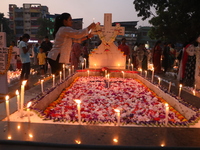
(76, 34)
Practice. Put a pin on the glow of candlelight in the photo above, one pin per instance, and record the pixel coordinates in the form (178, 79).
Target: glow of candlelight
(18, 100)
(179, 93)
(167, 112)
(79, 109)
(118, 116)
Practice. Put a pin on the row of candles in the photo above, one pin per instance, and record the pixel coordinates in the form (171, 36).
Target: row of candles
(170, 84)
(20, 103)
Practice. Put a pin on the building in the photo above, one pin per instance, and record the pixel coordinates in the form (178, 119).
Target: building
(143, 36)
(24, 19)
(130, 31)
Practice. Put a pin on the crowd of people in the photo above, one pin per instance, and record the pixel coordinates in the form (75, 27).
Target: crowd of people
(70, 46)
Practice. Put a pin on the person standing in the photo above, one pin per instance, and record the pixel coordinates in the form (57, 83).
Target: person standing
(165, 62)
(42, 61)
(125, 48)
(64, 34)
(25, 58)
(75, 54)
(157, 51)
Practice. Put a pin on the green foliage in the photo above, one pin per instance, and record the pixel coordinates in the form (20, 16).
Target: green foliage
(45, 28)
(172, 20)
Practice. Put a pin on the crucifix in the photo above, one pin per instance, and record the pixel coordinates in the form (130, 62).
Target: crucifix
(108, 29)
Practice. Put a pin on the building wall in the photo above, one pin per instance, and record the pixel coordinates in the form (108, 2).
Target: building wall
(24, 19)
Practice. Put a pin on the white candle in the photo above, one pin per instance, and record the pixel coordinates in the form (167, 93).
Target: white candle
(170, 84)
(145, 73)
(118, 116)
(28, 111)
(129, 62)
(42, 85)
(152, 75)
(69, 71)
(88, 73)
(85, 62)
(166, 113)
(7, 107)
(72, 69)
(132, 66)
(159, 79)
(60, 76)
(53, 80)
(79, 109)
(82, 65)
(179, 93)
(63, 71)
(22, 96)
(18, 100)
(123, 74)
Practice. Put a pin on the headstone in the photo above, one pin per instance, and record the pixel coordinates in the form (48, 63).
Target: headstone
(107, 54)
(3, 62)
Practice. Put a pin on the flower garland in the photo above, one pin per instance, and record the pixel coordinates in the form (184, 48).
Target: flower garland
(8, 63)
(102, 37)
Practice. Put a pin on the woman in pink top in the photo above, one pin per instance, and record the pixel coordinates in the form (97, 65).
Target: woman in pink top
(64, 34)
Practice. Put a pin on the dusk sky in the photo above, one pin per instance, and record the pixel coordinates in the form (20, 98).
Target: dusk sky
(122, 10)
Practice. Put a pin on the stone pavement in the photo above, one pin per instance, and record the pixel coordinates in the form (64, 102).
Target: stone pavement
(23, 135)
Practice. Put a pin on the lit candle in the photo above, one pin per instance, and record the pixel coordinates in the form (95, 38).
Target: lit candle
(118, 116)
(132, 66)
(145, 73)
(170, 84)
(69, 71)
(42, 85)
(22, 96)
(53, 80)
(194, 92)
(18, 100)
(7, 107)
(79, 109)
(60, 76)
(152, 75)
(82, 65)
(85, 62)
(123, 74)
(28, 111)
(166, 113)
(179, 93)
(159, 79)
(88, 73)
(63, 71)
(72, 69)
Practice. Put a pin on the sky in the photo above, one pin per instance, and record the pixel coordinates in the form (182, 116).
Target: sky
(122, 10)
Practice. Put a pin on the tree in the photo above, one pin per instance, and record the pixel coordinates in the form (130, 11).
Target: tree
(45, 28)
(172, 20)
(6, 28)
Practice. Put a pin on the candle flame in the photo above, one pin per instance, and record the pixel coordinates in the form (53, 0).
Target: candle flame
(78, 142)
(53, 75)
(7, 97)
(30, 135)
(115, 140)
(17, 92)
(9, 137)
(42, 81)
(29, 104)
(77, 101)
(60, 73)
(122, 71)
(117, 110)
(18, 127)
(166, 105)
(180, 85)
(24, 82)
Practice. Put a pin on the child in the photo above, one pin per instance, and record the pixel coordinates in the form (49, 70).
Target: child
(42, 61)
